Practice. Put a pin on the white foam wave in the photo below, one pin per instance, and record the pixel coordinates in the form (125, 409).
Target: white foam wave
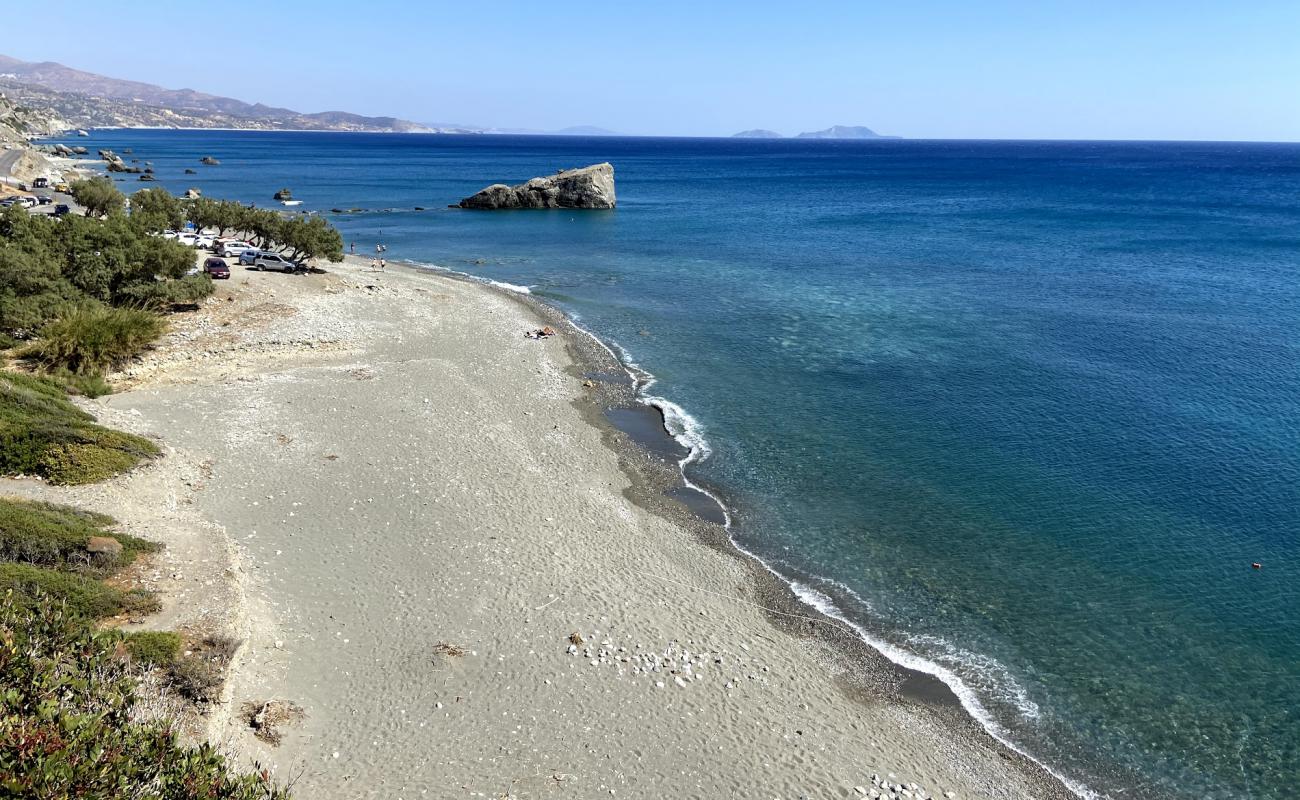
(510, 287)
(969, 701)
(992, 675)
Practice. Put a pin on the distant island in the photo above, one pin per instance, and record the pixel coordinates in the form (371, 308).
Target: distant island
(833, 132)
(586, 130)
(843, 132)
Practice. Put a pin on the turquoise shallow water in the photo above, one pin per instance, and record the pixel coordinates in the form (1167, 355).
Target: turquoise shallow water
(1027, 411)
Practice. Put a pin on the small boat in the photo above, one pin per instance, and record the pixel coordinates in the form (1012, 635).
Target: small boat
(82, 133)
(290, 202)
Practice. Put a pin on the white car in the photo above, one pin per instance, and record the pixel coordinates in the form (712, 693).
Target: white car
(169, 234)
(233, 249)
(203, 241)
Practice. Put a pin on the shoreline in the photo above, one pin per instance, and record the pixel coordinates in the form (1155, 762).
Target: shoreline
(277, 376)
(788, 603)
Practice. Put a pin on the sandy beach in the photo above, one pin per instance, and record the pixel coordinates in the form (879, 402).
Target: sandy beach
(430, 538)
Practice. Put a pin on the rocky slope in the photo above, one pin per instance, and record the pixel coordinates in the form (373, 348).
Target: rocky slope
(587, 187)
(20, 122)
(88, 100)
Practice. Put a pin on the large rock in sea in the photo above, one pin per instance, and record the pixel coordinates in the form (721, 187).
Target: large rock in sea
(587, 187)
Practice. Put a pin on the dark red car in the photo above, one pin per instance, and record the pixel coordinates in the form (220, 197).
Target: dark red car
(216, 267)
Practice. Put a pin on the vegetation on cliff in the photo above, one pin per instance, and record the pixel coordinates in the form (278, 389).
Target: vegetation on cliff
(42, 433)
(70, 722)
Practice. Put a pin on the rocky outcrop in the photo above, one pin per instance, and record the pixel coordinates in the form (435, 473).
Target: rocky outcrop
(115, 163)
(209, 160)
(587, 187)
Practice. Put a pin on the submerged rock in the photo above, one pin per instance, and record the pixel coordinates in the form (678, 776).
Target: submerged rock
(209, 160)
(587, 187)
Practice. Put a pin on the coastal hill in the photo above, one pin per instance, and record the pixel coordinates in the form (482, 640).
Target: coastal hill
(88, 100)
(756, 133)
(843, 132)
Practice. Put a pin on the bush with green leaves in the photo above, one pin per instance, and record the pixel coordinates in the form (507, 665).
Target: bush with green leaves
(156, 210)
(86, 597)
(51, 535)
(98, 195)
(153, 648)
(92, 339)
(43, 433)
(69, 727)
(51, 269)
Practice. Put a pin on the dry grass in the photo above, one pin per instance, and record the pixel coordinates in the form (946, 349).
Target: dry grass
(268, 717)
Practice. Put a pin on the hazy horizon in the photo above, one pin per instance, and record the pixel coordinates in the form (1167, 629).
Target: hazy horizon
(1002, 70)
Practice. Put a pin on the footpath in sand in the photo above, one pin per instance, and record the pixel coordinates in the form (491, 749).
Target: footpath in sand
(438, 560)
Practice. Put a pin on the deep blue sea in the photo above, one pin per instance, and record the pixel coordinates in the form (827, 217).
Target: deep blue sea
(1026, 412)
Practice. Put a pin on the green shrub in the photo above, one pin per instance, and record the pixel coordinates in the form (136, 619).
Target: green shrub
(49, 535)
(153, 648)
(84, 597)
(92, 339)
(98, 195)
(42, 433)
(85, 385)
(68, 725)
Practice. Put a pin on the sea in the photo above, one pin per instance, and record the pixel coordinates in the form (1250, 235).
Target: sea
(1026, 414)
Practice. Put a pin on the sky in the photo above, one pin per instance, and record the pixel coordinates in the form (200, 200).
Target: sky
(995, 69)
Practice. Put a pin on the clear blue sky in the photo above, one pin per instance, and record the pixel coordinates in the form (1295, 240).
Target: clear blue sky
(1159, 69)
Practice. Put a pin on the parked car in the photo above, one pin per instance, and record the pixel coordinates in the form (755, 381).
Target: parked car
(248, 258)
(45, 200)
(41, 183)
(273, 261)
(62, 210)
(28, 201)
(170, 234)
(233, 248)
(216, 267)
(202, 241)
(187, 239)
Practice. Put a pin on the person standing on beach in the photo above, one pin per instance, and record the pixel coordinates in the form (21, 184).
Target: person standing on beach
(352, 248)
(383, 265)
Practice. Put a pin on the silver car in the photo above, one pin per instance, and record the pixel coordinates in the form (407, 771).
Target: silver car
(274, 261)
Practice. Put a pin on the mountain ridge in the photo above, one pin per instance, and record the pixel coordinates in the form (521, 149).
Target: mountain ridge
(102, 101)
